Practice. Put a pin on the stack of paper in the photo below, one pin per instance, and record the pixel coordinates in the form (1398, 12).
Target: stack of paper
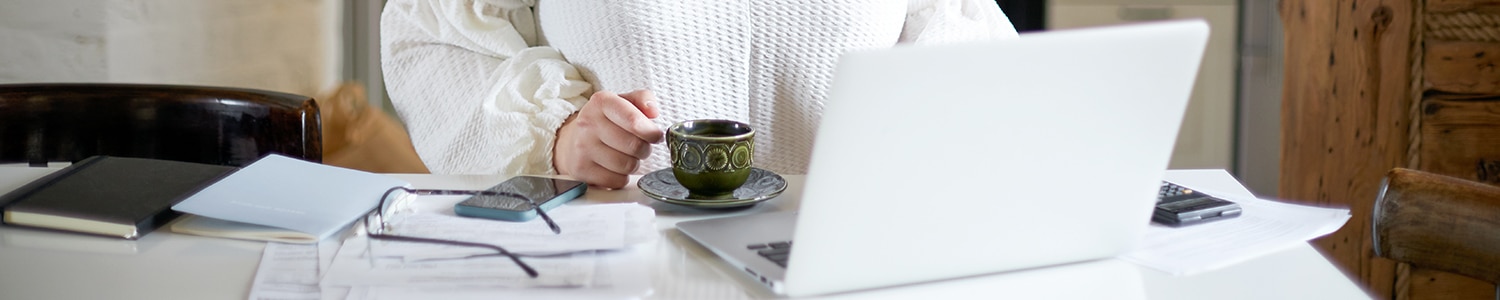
(593, 227)
(597, 246)
(1263, 227)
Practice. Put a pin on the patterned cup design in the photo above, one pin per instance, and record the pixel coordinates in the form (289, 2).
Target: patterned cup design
(711, 158)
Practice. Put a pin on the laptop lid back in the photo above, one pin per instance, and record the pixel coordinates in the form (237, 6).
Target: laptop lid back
(936, 162)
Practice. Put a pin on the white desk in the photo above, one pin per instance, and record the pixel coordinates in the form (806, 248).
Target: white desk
(37, 264)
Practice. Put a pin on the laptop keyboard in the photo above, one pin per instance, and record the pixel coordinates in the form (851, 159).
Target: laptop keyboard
(777, 252)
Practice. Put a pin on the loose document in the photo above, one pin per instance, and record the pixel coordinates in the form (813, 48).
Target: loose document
(598, 254)
(1264, 227)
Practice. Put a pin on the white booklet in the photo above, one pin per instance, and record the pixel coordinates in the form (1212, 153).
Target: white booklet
(279, 198)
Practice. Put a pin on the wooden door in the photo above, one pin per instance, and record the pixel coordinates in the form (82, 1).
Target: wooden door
(1373, 85)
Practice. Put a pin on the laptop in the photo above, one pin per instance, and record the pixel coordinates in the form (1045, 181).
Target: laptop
(938, 162)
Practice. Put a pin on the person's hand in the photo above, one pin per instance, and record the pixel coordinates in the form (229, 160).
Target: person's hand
(605, 141)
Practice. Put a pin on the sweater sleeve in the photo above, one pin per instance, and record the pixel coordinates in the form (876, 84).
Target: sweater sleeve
(476, 96)
(945, 21)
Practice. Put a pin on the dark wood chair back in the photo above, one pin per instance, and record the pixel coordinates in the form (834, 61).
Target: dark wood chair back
(1439, 222)
(225, 126)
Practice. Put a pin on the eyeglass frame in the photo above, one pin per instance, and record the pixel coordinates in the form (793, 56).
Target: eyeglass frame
(377, 228)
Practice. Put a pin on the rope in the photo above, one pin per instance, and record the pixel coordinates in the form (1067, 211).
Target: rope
(1463, 26)
(1415, 91)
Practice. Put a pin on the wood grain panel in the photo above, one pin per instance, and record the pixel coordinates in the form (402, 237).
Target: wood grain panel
(1346, 116)
(1462, 67)
(1461, 138)
(1427, 284)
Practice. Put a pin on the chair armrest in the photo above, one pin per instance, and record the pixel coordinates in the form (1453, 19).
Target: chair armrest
(1439, 222)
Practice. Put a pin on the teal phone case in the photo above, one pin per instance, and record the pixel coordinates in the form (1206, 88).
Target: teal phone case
(518, 215)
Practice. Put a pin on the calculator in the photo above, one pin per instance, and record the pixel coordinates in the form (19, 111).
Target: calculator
(1178, 206)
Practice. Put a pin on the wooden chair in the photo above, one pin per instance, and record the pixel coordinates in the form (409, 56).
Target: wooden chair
(1439, 222)
(214, 125)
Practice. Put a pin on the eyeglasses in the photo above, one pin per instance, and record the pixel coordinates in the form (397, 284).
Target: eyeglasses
(378, 222)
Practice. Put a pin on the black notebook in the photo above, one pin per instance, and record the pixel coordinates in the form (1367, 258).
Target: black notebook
(113, 196)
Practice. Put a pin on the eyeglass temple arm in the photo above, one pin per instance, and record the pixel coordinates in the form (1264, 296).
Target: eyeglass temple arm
(545, 217)
(513, 258)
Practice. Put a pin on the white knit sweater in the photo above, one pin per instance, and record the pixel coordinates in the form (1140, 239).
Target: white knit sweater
(482, 92)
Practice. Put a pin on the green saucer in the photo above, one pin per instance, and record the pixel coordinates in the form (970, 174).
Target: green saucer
(761, 186)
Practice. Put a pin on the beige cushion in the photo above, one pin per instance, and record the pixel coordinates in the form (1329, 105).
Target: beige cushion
(362, 137)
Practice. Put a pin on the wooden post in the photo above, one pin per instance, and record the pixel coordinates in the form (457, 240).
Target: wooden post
(1346, 116)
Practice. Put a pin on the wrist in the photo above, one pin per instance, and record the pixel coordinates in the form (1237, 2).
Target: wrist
(562, 133)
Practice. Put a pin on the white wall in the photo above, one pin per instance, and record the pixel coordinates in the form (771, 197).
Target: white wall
(52, 41)
(283, 45)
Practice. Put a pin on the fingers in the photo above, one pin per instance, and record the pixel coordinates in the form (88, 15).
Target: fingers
(579, 153)
(628, 114)
(600, 172)
(613, 159)
(624, 142)
(606, 140)
(645, 101)
(601, 177)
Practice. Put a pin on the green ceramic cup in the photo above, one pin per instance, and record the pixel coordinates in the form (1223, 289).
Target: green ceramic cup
(711, 158)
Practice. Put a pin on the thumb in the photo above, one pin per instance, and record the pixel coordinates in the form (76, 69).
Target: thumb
(645, 101)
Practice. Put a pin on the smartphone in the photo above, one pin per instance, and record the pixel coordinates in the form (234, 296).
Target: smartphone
(1178, 206)
(546, 192)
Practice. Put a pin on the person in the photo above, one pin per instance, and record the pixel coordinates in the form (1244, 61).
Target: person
(585, 88)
